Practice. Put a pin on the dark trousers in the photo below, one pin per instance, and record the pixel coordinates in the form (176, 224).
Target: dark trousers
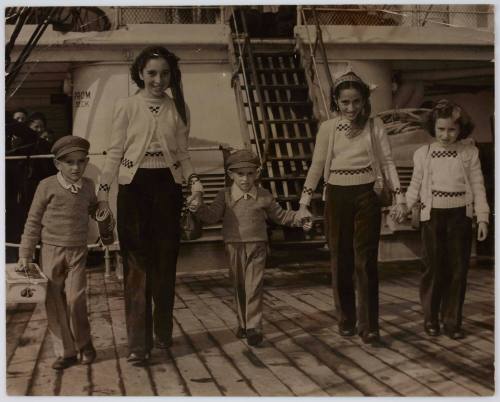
(149, 211)
(353, 216)
(447, 239)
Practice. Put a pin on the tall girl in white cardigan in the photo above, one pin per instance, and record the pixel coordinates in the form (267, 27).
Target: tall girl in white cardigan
(448, 181)
(348, 160)
(149, 154)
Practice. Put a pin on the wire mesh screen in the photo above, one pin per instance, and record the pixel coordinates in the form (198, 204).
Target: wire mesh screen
(169, 15)
(471, 16)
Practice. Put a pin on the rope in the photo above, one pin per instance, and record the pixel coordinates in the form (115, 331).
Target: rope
(245, 80)
(315, 66)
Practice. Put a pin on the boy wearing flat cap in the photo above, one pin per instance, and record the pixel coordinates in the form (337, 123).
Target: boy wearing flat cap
(59, 218)
(244, 208)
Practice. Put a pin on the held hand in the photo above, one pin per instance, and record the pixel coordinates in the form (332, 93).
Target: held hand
(303, 213)
(399, 212)
(194, 201)
(103, 208)
(22, 264)
(482, 231)
(307, 224)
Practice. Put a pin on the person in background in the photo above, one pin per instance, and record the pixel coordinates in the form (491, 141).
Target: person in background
(448, 181)
(22, 176)
(244, 208)
(148, 153)
(37, 122)
(59, 218)
(20, 115)
(349, 163)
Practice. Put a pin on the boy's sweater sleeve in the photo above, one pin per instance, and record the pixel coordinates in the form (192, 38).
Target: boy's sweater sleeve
(214, 212)
(279, 215)
(318, 162)
(386, 161)
(481, 207)
(115, 149)
(413, 191)
(33, 226)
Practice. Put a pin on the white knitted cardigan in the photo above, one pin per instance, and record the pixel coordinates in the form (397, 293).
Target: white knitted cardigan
(132, 129)
(475, 194)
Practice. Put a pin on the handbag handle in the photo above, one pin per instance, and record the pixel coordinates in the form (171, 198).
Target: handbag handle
(375, 150)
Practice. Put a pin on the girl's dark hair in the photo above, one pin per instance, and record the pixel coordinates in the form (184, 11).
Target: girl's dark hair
(37, 116)
(445, 109)
(156, 52)
(363, 89)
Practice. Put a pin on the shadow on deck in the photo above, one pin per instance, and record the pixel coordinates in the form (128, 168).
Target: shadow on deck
(302, 354)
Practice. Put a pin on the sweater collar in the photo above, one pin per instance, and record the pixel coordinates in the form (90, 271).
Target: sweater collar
(73, 187)
(237, 194)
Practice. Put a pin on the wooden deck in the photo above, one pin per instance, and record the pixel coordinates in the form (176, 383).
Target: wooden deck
(302, 354)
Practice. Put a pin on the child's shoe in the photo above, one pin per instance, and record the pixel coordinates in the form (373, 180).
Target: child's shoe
(431, 328)
(241, 333)
(163, 344)
(64, 362)
(254, 337)
(88, 354)
(455, 334)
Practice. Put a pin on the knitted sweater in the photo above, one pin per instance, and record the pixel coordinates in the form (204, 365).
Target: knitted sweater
(351, 163)
(430, 163)
(244, 220)
(132, 130)
(57, 216)
(323, 155)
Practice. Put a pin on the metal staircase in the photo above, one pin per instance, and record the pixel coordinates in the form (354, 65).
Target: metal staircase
(277, 114)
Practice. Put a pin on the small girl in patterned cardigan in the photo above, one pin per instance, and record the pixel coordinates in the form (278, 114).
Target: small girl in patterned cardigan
(448, 181)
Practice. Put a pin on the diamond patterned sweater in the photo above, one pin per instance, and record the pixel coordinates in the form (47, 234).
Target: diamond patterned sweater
(448, 177)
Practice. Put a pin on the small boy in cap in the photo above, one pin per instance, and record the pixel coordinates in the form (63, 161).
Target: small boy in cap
(59, 218)
(244, 208)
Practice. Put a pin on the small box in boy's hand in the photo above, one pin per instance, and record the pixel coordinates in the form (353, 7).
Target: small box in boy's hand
(25, 285)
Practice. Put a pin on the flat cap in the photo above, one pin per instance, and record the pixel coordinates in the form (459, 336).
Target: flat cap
(69, 143)
(241, 159)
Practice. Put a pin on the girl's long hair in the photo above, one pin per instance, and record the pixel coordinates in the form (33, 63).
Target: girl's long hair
(363, 90)
(155, 52)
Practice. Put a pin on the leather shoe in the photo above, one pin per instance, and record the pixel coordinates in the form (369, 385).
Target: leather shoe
(254, 337)
(88, 354)
(454, 334)
(64, 362)
(346, 330)
(160, 344)
(370, 337)
(431, 329)
(138, 357)
(241, 333)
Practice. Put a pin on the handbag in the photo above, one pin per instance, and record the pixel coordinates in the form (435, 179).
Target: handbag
(190, 225)
(382, 186)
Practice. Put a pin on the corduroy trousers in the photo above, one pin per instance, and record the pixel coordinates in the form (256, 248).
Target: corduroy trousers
(149, 210)
(352, 217)
(447, 240)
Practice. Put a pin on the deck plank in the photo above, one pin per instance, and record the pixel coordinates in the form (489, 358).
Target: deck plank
(394, 356)
(135, 380)
(416, 345)
(105, 374)
(195, 374)
(302, 353)
(397, 382)
(291, 374)
(21, 367)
